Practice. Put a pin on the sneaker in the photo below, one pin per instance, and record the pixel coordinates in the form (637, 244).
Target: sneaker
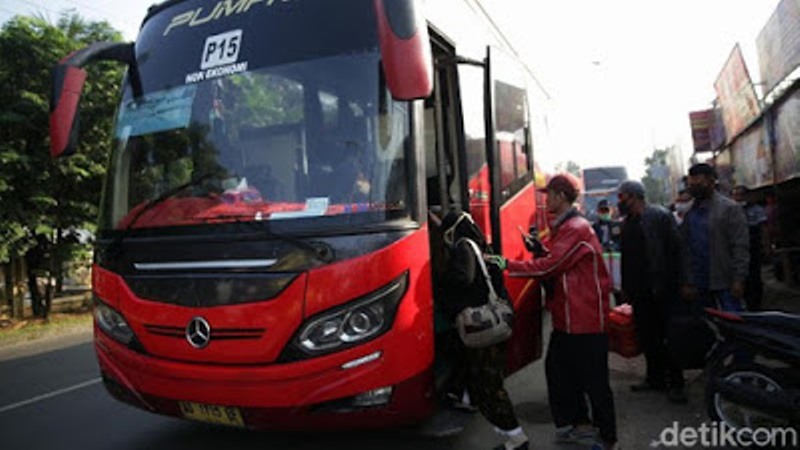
(580, 434)
(677, 395)
(460, 403)
(523, 446)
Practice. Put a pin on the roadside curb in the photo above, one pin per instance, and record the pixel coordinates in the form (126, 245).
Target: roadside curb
(47, 343)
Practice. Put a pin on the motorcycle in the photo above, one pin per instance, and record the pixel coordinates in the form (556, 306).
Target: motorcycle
(753, 371)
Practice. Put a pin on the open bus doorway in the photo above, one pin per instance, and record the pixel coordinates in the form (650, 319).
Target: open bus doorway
(444, 192)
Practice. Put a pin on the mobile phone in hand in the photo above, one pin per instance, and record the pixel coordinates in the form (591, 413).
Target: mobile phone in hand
(532, 242)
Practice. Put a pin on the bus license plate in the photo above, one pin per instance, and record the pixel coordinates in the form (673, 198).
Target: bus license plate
(223, 415)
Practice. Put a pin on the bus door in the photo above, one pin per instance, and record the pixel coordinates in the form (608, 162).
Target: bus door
(499, 169)
(489, 174)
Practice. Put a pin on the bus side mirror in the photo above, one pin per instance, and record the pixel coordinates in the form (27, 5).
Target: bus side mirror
(405, 48)
(68, 81)
(68, 84)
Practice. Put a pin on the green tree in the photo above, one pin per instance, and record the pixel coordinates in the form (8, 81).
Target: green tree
(43, 200)
(656, 180)
(569, 166)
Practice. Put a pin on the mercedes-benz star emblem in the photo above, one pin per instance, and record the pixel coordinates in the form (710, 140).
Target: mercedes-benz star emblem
(198, 332)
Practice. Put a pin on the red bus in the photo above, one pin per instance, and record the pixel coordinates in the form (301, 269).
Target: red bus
(265, 257)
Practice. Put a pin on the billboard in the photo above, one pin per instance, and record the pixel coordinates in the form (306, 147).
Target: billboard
(736, 95)
(702, 123)
(718, 136)
(722, 162)
(787, 139)
(708, 130)
(778, 44)
(752, 161)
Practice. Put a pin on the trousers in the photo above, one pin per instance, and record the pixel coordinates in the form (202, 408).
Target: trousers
(485, 385)
(651, 316)
(576, 367)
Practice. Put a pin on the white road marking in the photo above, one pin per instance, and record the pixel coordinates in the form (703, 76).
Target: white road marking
(39, 398)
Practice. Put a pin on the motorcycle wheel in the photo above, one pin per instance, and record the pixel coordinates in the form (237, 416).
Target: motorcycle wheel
(735, 415)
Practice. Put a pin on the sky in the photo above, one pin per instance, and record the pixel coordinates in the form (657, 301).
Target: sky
(622, 75)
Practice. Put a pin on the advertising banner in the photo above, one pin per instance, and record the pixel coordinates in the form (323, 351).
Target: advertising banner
(722, 162)
(787, 139)
(701, 123)
(778, 44)
(752, 161)
(718, 136)
(737, 97)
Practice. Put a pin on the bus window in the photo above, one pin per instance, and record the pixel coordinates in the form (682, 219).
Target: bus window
(471, 86)
(511, 122)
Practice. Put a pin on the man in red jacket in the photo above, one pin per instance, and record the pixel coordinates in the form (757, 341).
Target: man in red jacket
(578, 299)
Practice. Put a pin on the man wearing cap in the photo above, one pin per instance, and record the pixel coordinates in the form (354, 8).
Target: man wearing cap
(577, 356)
(650, 282)
(717, 242)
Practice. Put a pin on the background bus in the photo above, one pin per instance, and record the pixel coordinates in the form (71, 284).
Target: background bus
(600, 183)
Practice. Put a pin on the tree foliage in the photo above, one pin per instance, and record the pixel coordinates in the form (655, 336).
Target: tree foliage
(656, 180)
(570, 167)
(40, 199)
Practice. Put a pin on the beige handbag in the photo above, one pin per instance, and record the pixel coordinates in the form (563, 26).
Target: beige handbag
(488, 324)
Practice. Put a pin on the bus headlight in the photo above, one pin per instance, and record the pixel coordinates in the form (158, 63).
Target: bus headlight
(353, 323)
(112, 323)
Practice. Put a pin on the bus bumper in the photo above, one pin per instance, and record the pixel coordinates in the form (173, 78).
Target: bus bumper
(295, 396)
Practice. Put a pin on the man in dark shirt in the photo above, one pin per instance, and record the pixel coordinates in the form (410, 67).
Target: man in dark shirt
(714, 232)
(650, 282)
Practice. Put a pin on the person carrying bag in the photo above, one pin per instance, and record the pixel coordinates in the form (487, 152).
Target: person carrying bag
(473, 302)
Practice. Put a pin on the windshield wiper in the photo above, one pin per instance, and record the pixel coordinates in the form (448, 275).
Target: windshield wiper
(116, 244)
(321, 251)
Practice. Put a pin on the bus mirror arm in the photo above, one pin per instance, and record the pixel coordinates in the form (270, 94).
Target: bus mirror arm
(469, 61)
(69, 78)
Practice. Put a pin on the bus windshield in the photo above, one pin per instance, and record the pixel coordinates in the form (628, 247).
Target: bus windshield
(276, 112)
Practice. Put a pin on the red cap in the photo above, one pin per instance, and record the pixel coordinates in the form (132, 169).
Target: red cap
(565, 183)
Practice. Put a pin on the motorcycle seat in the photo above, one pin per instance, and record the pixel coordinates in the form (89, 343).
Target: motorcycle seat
(780, 321)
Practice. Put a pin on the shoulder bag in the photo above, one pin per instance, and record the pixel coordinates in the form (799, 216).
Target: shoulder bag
(488, 324)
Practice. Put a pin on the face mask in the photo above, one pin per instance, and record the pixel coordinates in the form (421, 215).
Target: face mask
(624, 208)
(698, 191)
(606, 216)
(683, 207)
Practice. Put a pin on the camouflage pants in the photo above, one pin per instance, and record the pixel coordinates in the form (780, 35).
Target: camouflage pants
(485, 385)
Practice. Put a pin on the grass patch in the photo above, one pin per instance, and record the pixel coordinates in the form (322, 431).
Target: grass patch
(67, 318)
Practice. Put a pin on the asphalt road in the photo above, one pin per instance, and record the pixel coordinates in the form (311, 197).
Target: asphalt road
(51, 398)
(54, 399)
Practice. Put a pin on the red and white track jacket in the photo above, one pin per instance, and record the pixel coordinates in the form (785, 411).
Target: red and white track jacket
(579, 298)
